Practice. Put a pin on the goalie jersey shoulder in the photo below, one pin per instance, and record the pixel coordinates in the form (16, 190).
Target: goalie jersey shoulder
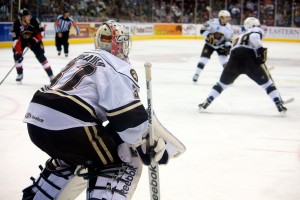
(112, 65)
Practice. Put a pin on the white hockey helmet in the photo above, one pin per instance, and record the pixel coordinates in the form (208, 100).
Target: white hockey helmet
(224, 13)
(114, 38)
(251, 22)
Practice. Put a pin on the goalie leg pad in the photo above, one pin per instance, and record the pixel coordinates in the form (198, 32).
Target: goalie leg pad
(116, 182)
(56, 181)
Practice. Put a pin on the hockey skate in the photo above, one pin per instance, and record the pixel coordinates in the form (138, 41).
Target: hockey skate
(281, 109)
(59, 53)
(19, 78)
(279, 104)
(205, 104)
(195, 78)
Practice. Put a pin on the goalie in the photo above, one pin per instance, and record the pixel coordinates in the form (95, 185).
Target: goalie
(217, 33)
(65, 119)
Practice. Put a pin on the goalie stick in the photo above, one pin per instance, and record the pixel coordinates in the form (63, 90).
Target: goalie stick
(153, 171)
(13, 66)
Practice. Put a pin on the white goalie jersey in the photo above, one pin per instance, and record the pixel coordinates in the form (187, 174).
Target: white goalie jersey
(214, 26)
(94, 87)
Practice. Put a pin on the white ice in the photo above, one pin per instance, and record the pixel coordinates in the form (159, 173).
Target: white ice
(238, 149)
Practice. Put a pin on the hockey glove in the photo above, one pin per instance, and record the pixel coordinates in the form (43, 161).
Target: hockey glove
(210, 39)
(157, 152)
(225, 50)
(262, 55)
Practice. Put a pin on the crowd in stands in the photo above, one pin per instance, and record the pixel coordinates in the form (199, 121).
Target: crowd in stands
(270, 12)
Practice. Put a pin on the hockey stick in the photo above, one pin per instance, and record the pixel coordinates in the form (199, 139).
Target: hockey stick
(290, 100)
(153, 172)
(14, 66)
(271, 68)
(283, 101)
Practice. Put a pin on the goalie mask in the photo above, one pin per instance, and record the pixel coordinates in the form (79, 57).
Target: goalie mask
(114, 38)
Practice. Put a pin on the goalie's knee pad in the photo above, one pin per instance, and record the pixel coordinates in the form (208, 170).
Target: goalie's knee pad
(56, 181)
(116, 182)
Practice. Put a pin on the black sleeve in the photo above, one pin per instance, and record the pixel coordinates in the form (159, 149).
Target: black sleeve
(37, 25)
(15, 31)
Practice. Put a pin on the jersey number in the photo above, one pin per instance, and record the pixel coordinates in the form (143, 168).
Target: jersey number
(71, 83)
(244, 40)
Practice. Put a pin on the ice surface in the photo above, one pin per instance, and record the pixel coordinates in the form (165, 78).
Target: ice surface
(238, 149)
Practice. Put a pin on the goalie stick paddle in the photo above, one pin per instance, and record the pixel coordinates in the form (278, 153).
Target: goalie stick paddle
(13, 67)
(153, 171)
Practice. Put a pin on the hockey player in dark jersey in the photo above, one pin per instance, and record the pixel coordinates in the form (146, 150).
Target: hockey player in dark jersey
(28, 32)
(65, 120)
(248, 56)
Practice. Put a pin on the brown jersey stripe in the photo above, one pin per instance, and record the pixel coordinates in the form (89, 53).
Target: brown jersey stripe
(76, 107)
(129, 116)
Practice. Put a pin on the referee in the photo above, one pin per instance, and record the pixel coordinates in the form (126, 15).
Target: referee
(62, 28)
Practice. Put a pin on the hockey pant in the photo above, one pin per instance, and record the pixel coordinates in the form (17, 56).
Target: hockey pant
(38, 50)
(205, 57)
(62, 41)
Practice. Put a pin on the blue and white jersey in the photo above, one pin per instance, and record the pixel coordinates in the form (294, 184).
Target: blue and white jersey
(213, 26)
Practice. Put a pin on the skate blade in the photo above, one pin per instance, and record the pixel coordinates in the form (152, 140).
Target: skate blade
(19, 82)
(283, 113)
(201, 110)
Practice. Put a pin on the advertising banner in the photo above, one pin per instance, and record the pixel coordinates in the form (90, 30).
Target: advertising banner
(49, 31)
(5, 34)
(142, 29)
(281, 32)
(189, 29)
(87, 30)
(167, 29)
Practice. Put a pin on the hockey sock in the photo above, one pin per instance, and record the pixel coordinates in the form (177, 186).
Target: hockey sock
(47, 68)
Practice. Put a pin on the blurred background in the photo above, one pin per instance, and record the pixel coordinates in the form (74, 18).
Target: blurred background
(281, 13)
